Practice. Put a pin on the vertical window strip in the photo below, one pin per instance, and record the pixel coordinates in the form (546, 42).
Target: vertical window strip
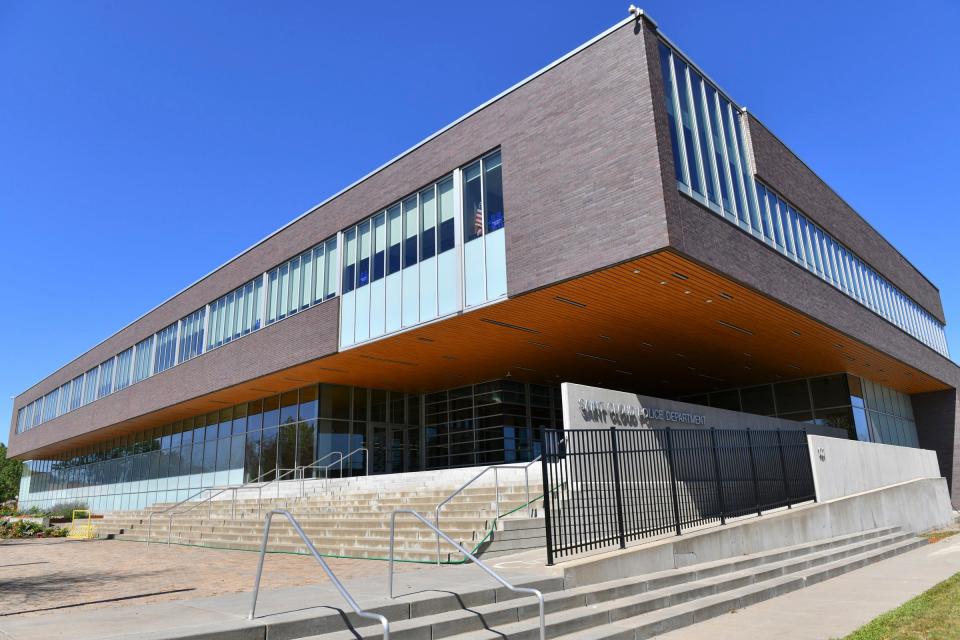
(819, 253)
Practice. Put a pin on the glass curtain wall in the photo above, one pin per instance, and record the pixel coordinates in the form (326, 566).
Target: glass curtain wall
(867, 411)
(711, 166)
(234, 445)
(488, 423)
(401, 266)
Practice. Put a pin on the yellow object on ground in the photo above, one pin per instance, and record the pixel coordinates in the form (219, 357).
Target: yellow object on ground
(83, 530)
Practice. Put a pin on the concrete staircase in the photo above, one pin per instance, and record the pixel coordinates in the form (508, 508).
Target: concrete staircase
(347, 519)
(632, 608)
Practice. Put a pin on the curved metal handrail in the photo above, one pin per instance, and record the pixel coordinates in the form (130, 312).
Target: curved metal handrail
(316, 554)
(493, 574)
(343, 458)
(496, 483)
(260, 485)
(153, 513)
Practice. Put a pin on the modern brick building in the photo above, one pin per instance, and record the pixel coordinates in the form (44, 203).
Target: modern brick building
(616, 220)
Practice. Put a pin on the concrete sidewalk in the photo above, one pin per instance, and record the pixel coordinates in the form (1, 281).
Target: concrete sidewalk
(291, 606)
(836, 607)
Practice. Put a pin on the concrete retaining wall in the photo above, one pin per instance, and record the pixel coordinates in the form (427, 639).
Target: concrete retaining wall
(846, 467)
(915, 506)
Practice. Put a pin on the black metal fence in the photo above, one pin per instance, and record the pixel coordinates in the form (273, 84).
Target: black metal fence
(611, 486)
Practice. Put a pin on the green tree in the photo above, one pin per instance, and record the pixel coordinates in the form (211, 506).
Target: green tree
(10, 471)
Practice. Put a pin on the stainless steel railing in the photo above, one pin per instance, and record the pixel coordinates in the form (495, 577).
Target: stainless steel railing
(333, 578)
(209, 499)
(496, 483)
(493, 574)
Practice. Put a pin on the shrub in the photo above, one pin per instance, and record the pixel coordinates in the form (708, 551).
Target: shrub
(65, 509)
(22, 529)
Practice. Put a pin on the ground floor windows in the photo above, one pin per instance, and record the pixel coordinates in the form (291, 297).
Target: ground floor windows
(867, 411)
(499, 421)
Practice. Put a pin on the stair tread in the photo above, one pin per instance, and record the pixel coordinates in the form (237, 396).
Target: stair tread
(502, 609)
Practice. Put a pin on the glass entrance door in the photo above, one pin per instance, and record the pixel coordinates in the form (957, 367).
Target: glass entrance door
(388, 451)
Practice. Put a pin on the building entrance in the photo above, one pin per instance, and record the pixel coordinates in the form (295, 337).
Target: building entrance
(394, 449)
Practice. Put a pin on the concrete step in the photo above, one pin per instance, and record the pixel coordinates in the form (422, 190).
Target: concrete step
(642, 606)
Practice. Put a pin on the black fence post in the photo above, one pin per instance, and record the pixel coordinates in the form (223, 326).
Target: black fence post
(673, 480)
(716, 471)
(545, 476)
(783, 471)
(753, 472)
(616, 486)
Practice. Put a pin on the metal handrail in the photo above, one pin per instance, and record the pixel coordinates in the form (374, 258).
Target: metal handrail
(316, 554)
(366, 461)
(315, 465)
(493, 574)
(496, 484)
(260, 485)
(153, 513)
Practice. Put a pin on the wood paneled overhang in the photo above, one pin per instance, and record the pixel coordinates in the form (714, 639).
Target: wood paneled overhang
(661, 325)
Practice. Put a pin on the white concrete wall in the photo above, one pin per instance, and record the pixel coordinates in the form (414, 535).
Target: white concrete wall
(847, 467)
(914, 506)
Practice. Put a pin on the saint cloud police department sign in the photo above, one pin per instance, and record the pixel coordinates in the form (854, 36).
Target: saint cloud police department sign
(618, 414)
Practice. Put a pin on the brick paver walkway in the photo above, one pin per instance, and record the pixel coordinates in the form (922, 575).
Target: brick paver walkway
(39, 576)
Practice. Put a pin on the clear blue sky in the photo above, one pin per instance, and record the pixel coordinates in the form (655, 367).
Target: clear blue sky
(143, 144)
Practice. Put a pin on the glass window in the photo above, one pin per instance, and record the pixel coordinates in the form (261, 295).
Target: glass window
(350, 261)
(76, 392)
(670, 94)
(411, 230)
(106, 379)
(447, 231)
(830, 391)
(792, 397)
(90, 386)
(166, 348)
(686, 119)
(428, 224)
(143, 358)
(394, 237)
(191, 335)
(758, 400)
(703, 124)
(330, 267)
(493, 191)
(379, 267)
(124, 369)
(728, 114)
(64, 399)
(720, 149)
(363, 262)
(472, 203)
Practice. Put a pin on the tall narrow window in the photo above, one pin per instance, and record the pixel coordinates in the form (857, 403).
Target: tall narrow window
(472, 203)
(665, 69)
(686, 118)
(410, 231)
(493, 192)
(363, 263)
(124, 369)
(350, 261)
(379, 246)
(428, 224)
(105, 387)
(394, 238)
(703, 123)
(330, 268)
(447, 232)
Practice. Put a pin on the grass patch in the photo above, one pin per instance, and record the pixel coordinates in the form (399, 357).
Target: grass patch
(933, 615)
(937, 536)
